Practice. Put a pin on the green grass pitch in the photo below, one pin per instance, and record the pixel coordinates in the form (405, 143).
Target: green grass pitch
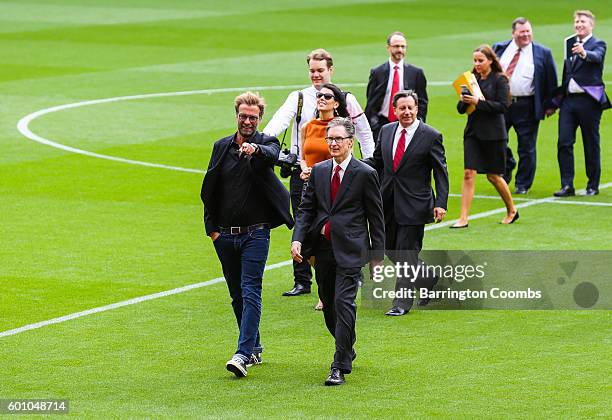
(79, 232)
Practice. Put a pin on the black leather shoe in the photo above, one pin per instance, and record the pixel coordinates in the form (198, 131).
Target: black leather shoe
(423, 301)
(591, 191)
(520, 190)
(566, 191)
(297, 290)
(335, 377)
(396, 311)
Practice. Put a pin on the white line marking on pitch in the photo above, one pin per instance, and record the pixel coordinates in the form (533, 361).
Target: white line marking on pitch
(220, 279)
(24, 129)
(125, 303)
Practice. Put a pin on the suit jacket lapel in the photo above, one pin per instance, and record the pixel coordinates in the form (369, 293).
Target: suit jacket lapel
(347, 178)
(411, 146)
(326, 182)
(387, 145)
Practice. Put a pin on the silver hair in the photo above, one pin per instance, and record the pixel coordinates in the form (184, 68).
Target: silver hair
(347, 123)
(405, 94)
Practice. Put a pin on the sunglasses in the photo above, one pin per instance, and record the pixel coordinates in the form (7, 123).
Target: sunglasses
(327, 96)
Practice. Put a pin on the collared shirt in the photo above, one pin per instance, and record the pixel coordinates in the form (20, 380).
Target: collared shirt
(574, 87)
(285, 115)
(409, 134)
(343, 165)
(384, 110)
(239, 198)
(521, 82)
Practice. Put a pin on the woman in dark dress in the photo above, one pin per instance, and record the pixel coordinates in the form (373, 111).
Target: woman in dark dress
(485, 135)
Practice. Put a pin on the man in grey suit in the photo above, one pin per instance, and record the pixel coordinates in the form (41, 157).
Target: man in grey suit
(407, 153)
(339, 220)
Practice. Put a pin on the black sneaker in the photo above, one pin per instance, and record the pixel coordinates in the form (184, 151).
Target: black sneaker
(255, 359)
(237, 366)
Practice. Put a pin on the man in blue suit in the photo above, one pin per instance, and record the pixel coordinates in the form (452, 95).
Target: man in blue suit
(583, 98)
(533, 80)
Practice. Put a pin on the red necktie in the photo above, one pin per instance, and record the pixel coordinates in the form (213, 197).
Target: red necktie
(335, 184)
(513, 63)
(394, 90)
(399, 151)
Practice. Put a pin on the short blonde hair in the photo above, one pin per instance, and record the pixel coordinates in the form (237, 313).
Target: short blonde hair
(586, 13)
(250, 99)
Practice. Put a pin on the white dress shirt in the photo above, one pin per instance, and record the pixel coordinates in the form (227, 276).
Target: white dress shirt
(283, 117)
(409, 134)
(343, 167)
(384, 110)
(521, 82)
(574, 87)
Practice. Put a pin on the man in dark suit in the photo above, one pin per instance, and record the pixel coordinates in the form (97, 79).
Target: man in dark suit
(583, 98)
(388, 79)
(533, 80)
(339, 220)
(407, 153)
(243, 199)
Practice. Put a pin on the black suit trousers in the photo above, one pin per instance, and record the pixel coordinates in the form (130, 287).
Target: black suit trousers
(407, 242)
(338, 288)
(301, 271)
(521, 116)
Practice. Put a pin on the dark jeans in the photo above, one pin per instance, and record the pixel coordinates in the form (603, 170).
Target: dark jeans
(338, 288)
(301, 271)
(579, 110)
(521, 117)
(243, 258)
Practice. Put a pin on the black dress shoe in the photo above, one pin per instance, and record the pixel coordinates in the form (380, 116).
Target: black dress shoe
(520, 190)
(591, 191)
(396, 311)
(336, 377)
(297, 290)
(566, 191)
(423, 301)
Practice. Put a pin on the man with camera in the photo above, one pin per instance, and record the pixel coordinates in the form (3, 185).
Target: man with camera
(300, 107)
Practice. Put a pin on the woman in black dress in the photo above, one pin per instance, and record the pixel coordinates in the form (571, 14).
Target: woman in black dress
(485, 135)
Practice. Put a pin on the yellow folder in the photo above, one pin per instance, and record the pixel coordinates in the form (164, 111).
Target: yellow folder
(468, 80)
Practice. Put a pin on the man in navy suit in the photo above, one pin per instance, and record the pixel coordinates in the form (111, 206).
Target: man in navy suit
(533, 80)
(583, 98)
(388, 79)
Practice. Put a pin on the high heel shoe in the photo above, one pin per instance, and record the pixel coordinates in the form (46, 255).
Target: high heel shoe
(514, 219)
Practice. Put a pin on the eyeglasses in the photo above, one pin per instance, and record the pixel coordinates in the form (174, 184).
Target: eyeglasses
(338, 140)
(327, 96)
(251, 118)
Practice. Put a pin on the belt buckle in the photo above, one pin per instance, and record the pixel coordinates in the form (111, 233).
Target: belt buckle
(235, 230)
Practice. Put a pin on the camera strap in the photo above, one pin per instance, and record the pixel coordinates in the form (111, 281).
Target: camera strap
(298, 119)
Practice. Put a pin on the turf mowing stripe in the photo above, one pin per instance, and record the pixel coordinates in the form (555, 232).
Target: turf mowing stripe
(24, 129)
(220, 279)
(126, 303)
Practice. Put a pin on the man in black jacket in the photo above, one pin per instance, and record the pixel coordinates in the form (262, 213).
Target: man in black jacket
(388, 79)
(340, 218)
(408, 153)
(243, 199)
